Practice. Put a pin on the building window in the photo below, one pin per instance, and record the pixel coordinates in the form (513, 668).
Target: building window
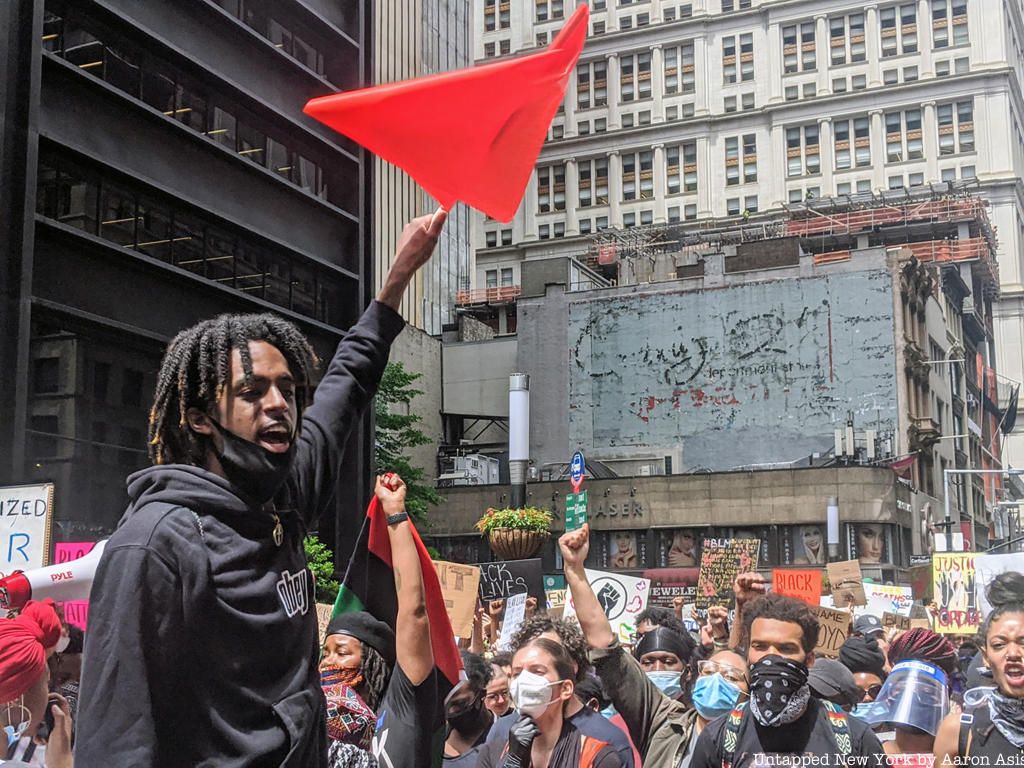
(506, 277)
(599, 27)
(839, 85)
(798, 48)
(898, 27)
(681, 177)
(750, 204)
(542, 39)
(544, 232)
(593, 182)
(626, 22)
(730, 104)
(690, 212)
(628, 220)
(673, 214)
(956, 127)
(46, 375)
(846, 36)
(792, 93)
(592, 84)
(734, 5)
(942, 68)
(601, 223)
(680, 69)
(747, 100)
(949, 23)
(895, 182)
(909, 74)
(490, 17)
(492, 278)
(643, 19)
(600, 125)
(627, 120)
(803, 156)
(739, 165)
(635, 76)
(903, 140)
(638, 175)
(646, 217)
(551, 188)
(852, 143)
(859, 82)
(492, 239)
(916, 179)
(506, 237)
(808, 90)
(732, 206)
(738, 68)
(549, 9)
(131, 387)
(962, 65)
(505, 47)
(890, 77)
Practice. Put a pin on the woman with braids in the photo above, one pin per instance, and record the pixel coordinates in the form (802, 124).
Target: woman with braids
(202, 635)
(992, 733)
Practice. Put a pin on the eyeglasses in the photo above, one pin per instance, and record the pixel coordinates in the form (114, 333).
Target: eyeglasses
(493, 698)
(729, 672)
(874, 690)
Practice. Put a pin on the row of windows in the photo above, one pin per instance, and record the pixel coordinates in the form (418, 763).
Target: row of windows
(98, 52)
(167, 229)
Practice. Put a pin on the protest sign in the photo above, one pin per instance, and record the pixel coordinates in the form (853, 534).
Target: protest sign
(503, 579)
(621, 597)
(515, 612)
(75, 611)
(26, 511)
(323, 618)
(986, 568)
(953, 580)
(833, 629)
(575, 510)
(896, 620)
(802, 584)
(847, 583)
(883, 598)
(555, 597)
(721, 561)
(459, 586)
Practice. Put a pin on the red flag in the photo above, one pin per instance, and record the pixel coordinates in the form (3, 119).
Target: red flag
(902, 466)
(473, 134)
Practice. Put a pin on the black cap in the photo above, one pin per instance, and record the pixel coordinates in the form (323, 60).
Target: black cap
(831, 680)
(868, 625)
(662, 639)
(367, 630)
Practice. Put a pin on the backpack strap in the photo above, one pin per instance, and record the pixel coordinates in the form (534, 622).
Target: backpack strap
(840, 727)
(589, 750)
(963, 742)
(731, 734)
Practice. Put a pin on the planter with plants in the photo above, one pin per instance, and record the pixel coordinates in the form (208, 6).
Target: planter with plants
(515, 534)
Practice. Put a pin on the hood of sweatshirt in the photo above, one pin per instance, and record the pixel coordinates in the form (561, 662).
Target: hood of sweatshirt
(188, 486)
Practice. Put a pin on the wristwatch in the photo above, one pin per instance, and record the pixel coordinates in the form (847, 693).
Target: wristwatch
(397, 518)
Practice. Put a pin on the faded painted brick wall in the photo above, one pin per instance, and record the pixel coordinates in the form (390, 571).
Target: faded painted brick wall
(750, 374)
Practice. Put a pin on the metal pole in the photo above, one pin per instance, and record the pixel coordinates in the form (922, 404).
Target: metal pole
(518, 436)
(945, 494)
(832, 527)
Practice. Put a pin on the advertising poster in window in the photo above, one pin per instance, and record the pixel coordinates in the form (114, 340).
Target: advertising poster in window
(679, 547)
(803, 545)
(618, 550)
(624, 550)
(763, 535)
(871, 543)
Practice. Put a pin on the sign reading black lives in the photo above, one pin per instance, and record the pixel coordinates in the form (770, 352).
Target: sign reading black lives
(503, 579)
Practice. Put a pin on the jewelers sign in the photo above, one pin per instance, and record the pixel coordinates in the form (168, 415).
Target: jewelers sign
(25, 515)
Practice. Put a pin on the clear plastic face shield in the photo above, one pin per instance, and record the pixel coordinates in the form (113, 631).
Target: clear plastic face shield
(914, 695)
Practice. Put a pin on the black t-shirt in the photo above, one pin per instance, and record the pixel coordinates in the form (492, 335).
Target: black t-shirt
(812, 734)
(404, 722)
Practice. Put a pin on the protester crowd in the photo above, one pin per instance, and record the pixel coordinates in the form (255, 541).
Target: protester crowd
(566, 693)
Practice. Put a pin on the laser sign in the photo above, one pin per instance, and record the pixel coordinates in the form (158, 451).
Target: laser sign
(26, 512)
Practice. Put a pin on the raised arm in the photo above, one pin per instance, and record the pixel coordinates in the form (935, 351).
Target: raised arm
(412, 626)
(596, 628)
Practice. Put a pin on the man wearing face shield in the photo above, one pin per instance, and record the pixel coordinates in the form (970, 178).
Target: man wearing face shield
(914, 700)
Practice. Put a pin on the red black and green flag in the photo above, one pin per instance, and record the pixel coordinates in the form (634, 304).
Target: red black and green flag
(369, 585)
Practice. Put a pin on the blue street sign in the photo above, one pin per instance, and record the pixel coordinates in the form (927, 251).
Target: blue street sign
(576, 468)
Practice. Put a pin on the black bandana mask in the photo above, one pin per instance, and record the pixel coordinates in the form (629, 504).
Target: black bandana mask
(469, 720)
(251, 468)
(778, 690)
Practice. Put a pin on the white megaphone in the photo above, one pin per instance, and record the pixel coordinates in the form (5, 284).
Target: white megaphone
(65, 581)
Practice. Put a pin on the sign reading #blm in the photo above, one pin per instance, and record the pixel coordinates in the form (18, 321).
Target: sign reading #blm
(25, 515)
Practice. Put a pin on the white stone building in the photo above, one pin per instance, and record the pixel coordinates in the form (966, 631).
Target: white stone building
(721, 108)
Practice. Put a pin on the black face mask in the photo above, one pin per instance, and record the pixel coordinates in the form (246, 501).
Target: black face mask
(471, 719)
(251, 468)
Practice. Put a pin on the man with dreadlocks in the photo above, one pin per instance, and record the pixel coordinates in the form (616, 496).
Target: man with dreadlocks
(202, 636)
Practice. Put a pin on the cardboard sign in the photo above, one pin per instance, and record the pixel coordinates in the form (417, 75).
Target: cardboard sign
(575, 510)
(75, 611)
(895, 620)
(555, 597)
(986, 568)
(953, 584)
(323, 618)
(460, 585)
(721, 561)
(503, 579)
(847, 583)
(515, 612)
(25, 515)
(802, 584)
(621, 597)
(833, 629)
(883, 598)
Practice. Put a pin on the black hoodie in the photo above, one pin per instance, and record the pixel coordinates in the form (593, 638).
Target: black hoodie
(202, 640)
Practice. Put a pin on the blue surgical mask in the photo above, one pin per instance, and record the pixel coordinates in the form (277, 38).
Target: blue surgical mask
(714, 696)
(667, 682)
(862, 710)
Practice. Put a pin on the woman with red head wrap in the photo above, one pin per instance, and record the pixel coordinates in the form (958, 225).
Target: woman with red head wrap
(25, 643)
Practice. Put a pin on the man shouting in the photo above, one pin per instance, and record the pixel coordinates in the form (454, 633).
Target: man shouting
(202, 630)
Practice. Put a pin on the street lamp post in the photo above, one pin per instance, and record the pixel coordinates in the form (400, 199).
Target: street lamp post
(948, 523)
